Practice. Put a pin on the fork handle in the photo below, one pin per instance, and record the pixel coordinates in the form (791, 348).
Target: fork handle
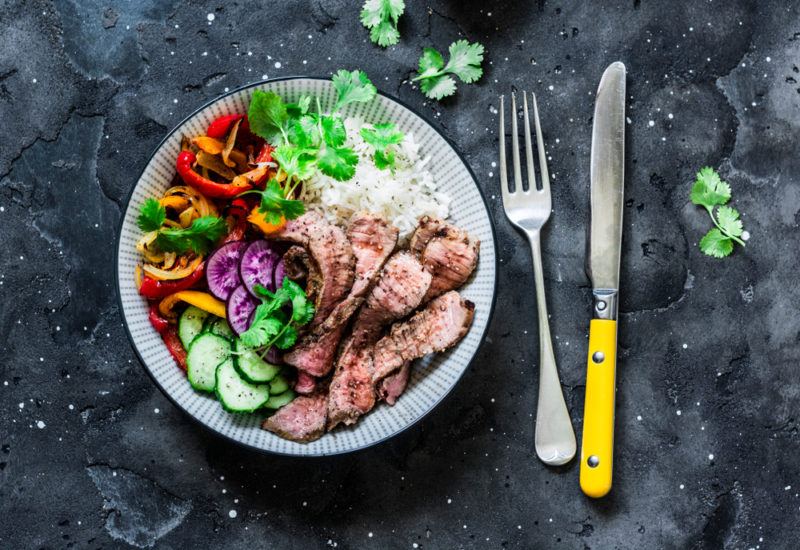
(555, 437)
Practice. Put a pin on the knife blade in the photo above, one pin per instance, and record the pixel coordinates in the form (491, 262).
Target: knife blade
(605, 245)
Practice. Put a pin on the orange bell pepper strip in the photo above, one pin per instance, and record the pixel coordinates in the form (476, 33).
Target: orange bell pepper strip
(257, 218)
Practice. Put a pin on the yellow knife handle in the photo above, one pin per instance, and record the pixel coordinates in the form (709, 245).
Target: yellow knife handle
(597, 449)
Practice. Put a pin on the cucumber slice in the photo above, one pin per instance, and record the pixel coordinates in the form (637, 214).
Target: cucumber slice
(219, 326)
(235, 393)
(251, 367)
(205, 353)
(191, 324)
(278, 401)
(278, 385)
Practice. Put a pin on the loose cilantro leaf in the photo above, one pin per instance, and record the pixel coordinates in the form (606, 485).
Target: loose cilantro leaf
(268, 116)
(270, 326)
(304, 132)
(286, 338)
(295, 161)
(262, 332)
(333, 132)
(275, 205)
(352, 87)
(430, 63)
(710, 191)
(729, 222)
(439, 87)
(465, 60)
(151, 216)
(380, 16)
(382, 137)
(716, 244)
(337, 162)
(465, 63)
(200, 237)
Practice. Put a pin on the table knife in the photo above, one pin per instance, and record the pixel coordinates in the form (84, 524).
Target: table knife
(605, 243)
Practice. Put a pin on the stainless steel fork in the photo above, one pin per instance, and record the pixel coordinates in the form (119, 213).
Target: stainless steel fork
(529, 210)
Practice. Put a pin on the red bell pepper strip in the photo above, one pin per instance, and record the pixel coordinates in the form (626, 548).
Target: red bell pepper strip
(169, 333)
(207, 187)
(159, 323)
(156, 290)
(264, 154)
(220, 126)
(174, 345)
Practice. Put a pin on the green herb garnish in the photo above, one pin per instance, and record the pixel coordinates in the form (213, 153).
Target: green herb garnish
(271, 326)
(710, 191)
(383, 137)
(380, 17)
(200, 237)
(151, 216)
(309, 141)
(434, 76)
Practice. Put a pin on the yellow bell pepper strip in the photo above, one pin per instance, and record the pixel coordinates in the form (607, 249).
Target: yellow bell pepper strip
(257, 218)
(202, 300)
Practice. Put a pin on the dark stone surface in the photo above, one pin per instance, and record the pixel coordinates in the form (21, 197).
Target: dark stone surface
(92, 455)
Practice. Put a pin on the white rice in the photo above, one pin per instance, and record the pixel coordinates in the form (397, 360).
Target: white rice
(401, 197)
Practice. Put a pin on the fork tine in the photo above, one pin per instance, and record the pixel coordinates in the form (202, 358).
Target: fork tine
(515, 145)
(503, 167)
(540, 143)
(528, 145)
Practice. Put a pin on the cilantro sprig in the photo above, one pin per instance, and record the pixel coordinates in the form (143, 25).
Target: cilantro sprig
(305, 141)
(710, 191)
(200, 237)
(271, 325)
(383, 137)
(434, 75)
(380, 17)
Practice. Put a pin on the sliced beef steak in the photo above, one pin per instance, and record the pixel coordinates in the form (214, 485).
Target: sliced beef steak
(391, 387)
(300, 266)
(398, 292)
(306, 384)
(302, 420)
(427, 228)
(352, 392)
(451, 256)
(372, 239)
(437, 327)
(332, 254)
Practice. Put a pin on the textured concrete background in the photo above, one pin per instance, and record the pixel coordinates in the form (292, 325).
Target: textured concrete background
(92, 455)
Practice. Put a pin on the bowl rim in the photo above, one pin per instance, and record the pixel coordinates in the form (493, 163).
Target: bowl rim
(445, 395)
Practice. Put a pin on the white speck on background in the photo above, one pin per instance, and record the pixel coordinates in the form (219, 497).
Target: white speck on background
(232, 514)
(277, 64)
(745, 235)
(681, 486)
(40, 425)
(678, 412)
(156, 411)
(369, 534)
(651, 123)
(711, 457)
(22, 405)
(670, 116)
(769, 59)
(685, 346)
(210, 17)
(639, 418)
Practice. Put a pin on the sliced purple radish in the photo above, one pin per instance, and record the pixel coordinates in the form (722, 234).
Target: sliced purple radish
(273, 356)
(258, 265)
(280, 273)
(222, 269)
(240, 309)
